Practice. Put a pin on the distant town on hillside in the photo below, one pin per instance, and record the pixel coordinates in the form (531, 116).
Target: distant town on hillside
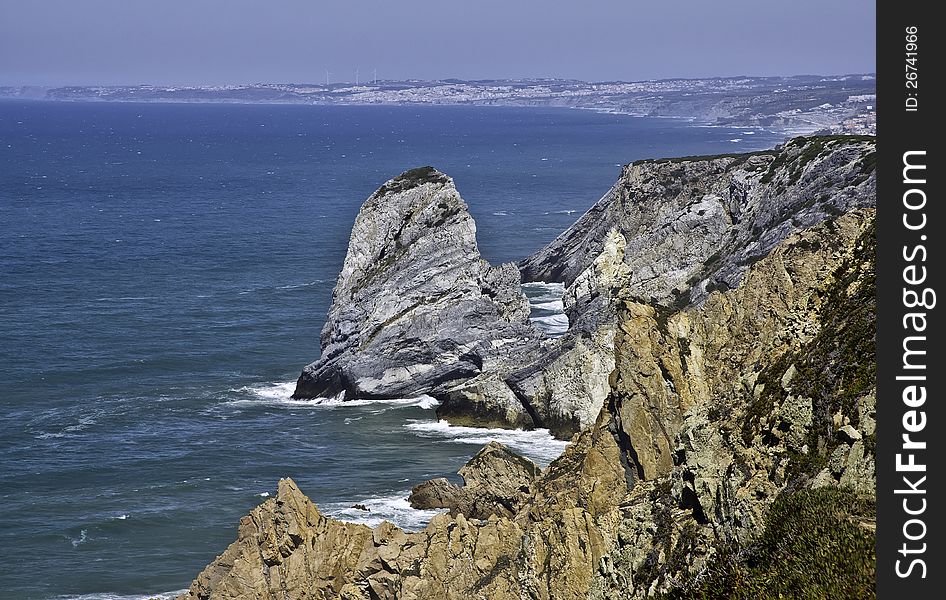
(799, 104)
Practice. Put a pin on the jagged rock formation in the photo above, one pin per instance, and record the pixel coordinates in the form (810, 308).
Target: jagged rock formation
(287, 549)
(733, 426)
(415, 307)
(777, 370)
(495, 482)
(695, 224)
(668, 234)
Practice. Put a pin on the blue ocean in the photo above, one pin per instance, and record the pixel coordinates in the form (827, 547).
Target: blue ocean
(164, 275)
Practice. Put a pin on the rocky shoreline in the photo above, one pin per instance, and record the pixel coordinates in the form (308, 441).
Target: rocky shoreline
(718, 368)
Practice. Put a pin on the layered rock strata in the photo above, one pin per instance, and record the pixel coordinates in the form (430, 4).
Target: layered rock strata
(693, 225)
(668, 233)
(415, 308)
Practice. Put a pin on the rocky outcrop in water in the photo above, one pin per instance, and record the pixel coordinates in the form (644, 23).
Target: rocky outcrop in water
(669, 233)
(733, 431)
(415, 307)
(496, 481)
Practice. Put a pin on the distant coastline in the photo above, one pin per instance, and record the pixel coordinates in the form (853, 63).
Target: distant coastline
(798, 104)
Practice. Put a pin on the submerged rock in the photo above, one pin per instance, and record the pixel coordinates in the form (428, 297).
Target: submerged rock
(415, 308)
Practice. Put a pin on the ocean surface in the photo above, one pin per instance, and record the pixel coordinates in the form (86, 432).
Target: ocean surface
(164, 274)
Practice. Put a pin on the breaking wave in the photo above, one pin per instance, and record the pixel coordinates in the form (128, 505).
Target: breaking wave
(536, 444)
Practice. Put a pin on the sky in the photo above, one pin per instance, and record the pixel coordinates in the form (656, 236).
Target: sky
(212, 42)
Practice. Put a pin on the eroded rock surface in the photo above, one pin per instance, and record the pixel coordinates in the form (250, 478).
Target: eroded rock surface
(415, 308)
(496, 481)
(695, 224)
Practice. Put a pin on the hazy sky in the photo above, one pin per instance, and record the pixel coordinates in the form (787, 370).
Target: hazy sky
(53, 42)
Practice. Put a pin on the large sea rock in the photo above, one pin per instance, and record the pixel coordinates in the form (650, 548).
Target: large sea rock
(415, 308)
(496, 481)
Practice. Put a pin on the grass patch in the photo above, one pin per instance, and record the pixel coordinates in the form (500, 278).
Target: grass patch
(740, 157)
(411, 179)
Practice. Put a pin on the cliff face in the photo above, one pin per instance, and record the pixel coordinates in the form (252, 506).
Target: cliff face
(768, 395)
(668, 234)
(731, 452)
(692, 225)
(415, 307)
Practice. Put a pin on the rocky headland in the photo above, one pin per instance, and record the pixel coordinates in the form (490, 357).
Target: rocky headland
(717, 382)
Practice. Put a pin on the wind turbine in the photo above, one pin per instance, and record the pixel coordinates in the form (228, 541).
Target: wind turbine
(327, 77)
(356, 76)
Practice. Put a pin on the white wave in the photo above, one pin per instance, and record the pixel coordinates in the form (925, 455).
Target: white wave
(123, 298)
(551, 324)
(271, 391)
(547, 297)
(111, 596)
(556, 305)
(83, 423)
(537, 444)
(280, 394)
(423, 401)
(734, 140)
(501, 213)
(540, 291)
(748, 133)
(544, 285)
(394, 508)
(83, 538)
(552, 320)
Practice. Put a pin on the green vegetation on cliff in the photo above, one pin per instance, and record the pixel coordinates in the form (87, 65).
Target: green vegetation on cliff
(836, 368)
(816, 544)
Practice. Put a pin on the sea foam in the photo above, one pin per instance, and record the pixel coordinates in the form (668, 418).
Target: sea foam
(111, 596)
(536, 444)
(392, 507)
(280, 394)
